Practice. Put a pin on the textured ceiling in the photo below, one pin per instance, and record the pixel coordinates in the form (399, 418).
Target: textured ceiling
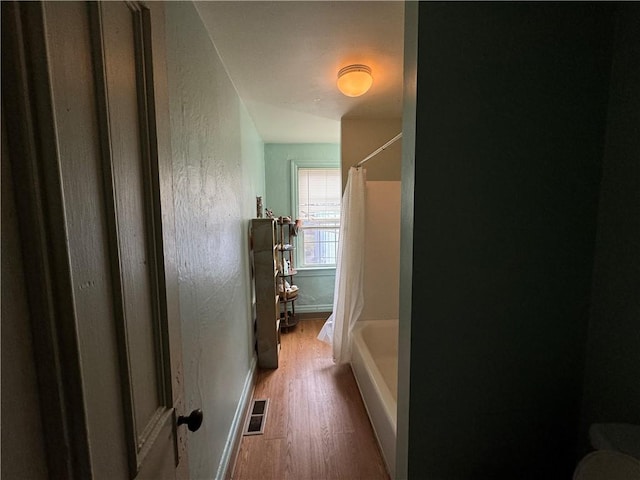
(283, 58)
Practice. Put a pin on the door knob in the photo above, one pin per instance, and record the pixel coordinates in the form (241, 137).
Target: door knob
(193, 421)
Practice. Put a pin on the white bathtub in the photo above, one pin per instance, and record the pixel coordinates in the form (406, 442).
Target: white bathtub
(374, 360)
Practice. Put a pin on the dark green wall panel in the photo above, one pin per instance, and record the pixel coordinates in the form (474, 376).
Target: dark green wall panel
(511, 108)
(612, 380)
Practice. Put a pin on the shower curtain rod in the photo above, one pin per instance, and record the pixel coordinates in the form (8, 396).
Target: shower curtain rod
(373, 154)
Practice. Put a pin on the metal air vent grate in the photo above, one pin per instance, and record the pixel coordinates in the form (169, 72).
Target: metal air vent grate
(257, 417)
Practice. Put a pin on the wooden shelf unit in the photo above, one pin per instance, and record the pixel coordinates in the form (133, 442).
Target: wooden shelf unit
(265, 273)
(286, 271)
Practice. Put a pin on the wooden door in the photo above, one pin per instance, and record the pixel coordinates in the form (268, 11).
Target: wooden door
(85, 86)
(123, 54)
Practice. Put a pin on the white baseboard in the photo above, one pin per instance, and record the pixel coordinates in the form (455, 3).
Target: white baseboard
(314, 308)
(225, 469)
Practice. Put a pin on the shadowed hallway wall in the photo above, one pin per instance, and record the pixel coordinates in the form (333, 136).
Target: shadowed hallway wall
(612, 382)
(509, 134)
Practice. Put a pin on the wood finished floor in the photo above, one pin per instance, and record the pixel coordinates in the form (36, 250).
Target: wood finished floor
(317, 427)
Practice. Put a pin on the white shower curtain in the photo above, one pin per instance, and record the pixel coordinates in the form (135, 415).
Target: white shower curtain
(348, 296)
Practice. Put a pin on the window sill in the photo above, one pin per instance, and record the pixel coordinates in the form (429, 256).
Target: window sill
(316, 271)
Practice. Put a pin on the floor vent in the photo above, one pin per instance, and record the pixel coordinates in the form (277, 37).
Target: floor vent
(257, 418)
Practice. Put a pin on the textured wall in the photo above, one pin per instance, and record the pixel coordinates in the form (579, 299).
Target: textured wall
(511, 106)
(612, 381)
(218, 171)
(316, 287)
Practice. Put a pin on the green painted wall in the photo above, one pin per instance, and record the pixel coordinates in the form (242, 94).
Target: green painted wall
(510, 108)
(218, 171)
(612, 380)
(316, 286)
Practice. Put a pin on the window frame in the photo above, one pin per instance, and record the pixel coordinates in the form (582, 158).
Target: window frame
(308, 163)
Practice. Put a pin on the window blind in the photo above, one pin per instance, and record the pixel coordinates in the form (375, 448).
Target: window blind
(319, 197)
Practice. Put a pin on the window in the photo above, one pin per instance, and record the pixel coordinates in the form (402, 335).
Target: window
(319, 191)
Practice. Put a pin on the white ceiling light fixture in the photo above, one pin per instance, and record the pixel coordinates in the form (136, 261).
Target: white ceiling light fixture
(355, 80)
